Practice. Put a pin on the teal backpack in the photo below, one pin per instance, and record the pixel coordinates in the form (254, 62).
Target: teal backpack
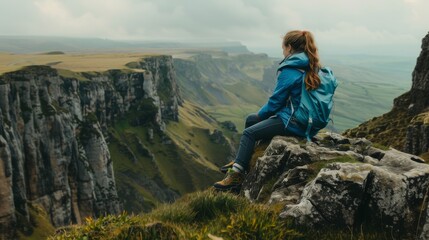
(316, 105)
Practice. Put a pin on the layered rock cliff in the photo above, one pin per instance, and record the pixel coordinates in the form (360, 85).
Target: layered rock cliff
(405, 127)
(53, 130)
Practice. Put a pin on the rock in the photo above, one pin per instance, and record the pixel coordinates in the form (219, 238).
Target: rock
(229, 125)
(332, 198)
(290, 185)
(279, 156)
(322, 186)
(417, 140)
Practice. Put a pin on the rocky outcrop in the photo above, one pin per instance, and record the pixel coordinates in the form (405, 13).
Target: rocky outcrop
(53, 129)
(421, 71)
(343, 183)
(418, 131)
(402, 127)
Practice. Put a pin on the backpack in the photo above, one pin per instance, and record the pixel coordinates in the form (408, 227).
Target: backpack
(316, 105)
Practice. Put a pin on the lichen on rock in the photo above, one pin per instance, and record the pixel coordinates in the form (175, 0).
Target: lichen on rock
(321, 185)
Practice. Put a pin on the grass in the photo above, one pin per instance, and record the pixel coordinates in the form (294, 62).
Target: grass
(77, 62)
(40, 226)
(203, 214)
(192, 133)
(165, 163)
(317, 166)
(388, 130)
(194, 216)
(235, 114)
(380, 146)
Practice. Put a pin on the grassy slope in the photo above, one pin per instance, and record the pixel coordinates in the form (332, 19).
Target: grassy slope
(228, 87)
(187, 163)
(39, 227)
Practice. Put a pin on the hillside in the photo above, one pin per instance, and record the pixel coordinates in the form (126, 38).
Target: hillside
(404, 127)
(228, 87)
(152, 166)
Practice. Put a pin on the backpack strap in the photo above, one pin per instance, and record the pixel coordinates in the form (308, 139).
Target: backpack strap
(310, 119)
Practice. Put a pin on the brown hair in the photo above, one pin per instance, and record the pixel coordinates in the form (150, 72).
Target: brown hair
(303, 41)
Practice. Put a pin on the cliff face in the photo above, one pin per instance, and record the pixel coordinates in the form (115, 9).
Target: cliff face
(404, 127)
(53, 150)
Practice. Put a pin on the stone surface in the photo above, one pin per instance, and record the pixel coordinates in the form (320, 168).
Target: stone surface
(324, 184)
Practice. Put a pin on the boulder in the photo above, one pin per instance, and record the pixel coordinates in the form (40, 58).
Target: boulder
(342, 183)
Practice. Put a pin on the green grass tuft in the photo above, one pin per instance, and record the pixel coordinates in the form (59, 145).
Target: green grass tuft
(208, 213)
(194, 216)
(258, 222)
(317, 166)
(380, 146)
(39, 226)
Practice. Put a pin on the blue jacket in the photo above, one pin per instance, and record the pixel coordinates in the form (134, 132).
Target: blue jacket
(289, 84)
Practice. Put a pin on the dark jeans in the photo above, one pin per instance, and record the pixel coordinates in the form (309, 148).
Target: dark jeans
(256, 130)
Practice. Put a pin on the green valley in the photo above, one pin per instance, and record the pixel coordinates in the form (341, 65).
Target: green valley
(230, 87)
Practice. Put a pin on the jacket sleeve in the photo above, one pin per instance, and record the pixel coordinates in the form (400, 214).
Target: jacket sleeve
(279, 97)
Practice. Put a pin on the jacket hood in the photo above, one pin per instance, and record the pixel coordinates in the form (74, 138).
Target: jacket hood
(296, 60)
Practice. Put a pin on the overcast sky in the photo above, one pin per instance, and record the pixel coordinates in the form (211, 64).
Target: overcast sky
(387, 27)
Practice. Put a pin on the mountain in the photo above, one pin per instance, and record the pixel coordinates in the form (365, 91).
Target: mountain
(405, 126)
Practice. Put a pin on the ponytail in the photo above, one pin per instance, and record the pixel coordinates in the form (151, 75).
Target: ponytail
(312, 80)
(304, 41)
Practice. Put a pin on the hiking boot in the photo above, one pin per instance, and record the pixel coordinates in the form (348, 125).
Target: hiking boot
(225, 167)
(231, 182)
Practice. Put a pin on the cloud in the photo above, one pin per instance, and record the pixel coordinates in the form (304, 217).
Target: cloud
(348, 25)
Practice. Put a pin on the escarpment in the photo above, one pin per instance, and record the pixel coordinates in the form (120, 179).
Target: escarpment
(405, 127)
(54, 136)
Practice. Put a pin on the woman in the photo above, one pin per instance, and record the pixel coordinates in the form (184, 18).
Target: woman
(275, 117)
